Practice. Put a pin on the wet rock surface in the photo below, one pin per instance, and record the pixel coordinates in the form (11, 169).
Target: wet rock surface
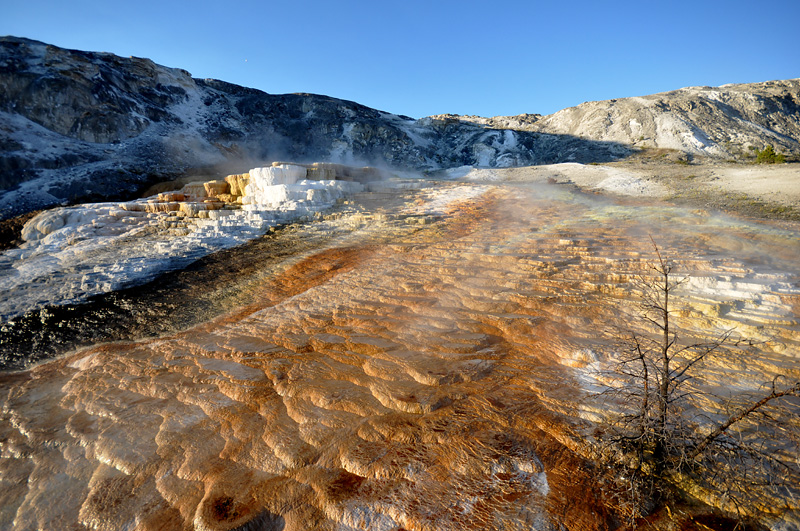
(422, 372)
(208, 287)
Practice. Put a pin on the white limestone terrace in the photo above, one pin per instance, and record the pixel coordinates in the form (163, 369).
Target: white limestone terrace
(599, 177)
(72, 253)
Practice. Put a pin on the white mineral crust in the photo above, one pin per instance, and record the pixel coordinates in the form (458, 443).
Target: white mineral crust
(73, 253)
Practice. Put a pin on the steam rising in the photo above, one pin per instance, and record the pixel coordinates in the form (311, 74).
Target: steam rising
(425, 372)
(73, 253)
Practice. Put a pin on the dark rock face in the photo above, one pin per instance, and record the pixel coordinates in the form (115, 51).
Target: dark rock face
(78, 126)
(98, 98)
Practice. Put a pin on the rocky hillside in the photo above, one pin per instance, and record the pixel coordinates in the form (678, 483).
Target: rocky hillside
(78, 126)
(727, 122)
(731, 121)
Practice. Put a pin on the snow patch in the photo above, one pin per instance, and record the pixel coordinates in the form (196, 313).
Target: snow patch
(483, 154)
(510, 139)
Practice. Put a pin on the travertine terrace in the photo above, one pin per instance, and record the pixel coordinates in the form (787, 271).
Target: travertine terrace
(426, 370)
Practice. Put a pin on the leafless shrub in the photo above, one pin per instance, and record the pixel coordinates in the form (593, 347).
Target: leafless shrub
(663, 436)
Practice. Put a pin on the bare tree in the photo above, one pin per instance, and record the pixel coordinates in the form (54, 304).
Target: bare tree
(662, 437)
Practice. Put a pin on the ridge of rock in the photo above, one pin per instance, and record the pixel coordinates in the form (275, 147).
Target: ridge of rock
(730, 121)
(78, 126)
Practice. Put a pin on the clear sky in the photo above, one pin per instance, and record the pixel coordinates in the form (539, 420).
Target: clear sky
(418, 58)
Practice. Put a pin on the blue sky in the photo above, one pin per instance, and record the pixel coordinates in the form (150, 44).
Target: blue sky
(419, 58)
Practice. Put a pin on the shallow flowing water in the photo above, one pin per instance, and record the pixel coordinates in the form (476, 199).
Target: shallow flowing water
(424, 369)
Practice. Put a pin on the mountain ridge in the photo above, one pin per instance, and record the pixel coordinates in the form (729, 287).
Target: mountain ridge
(774, 118)
(81, 126)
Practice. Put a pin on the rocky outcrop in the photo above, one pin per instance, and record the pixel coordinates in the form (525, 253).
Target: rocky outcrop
(95, 97)
(520, 122)
(731, 121)
(78, 126)
(73, 253)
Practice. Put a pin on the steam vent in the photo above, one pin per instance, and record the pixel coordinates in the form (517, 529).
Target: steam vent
(418, 354)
